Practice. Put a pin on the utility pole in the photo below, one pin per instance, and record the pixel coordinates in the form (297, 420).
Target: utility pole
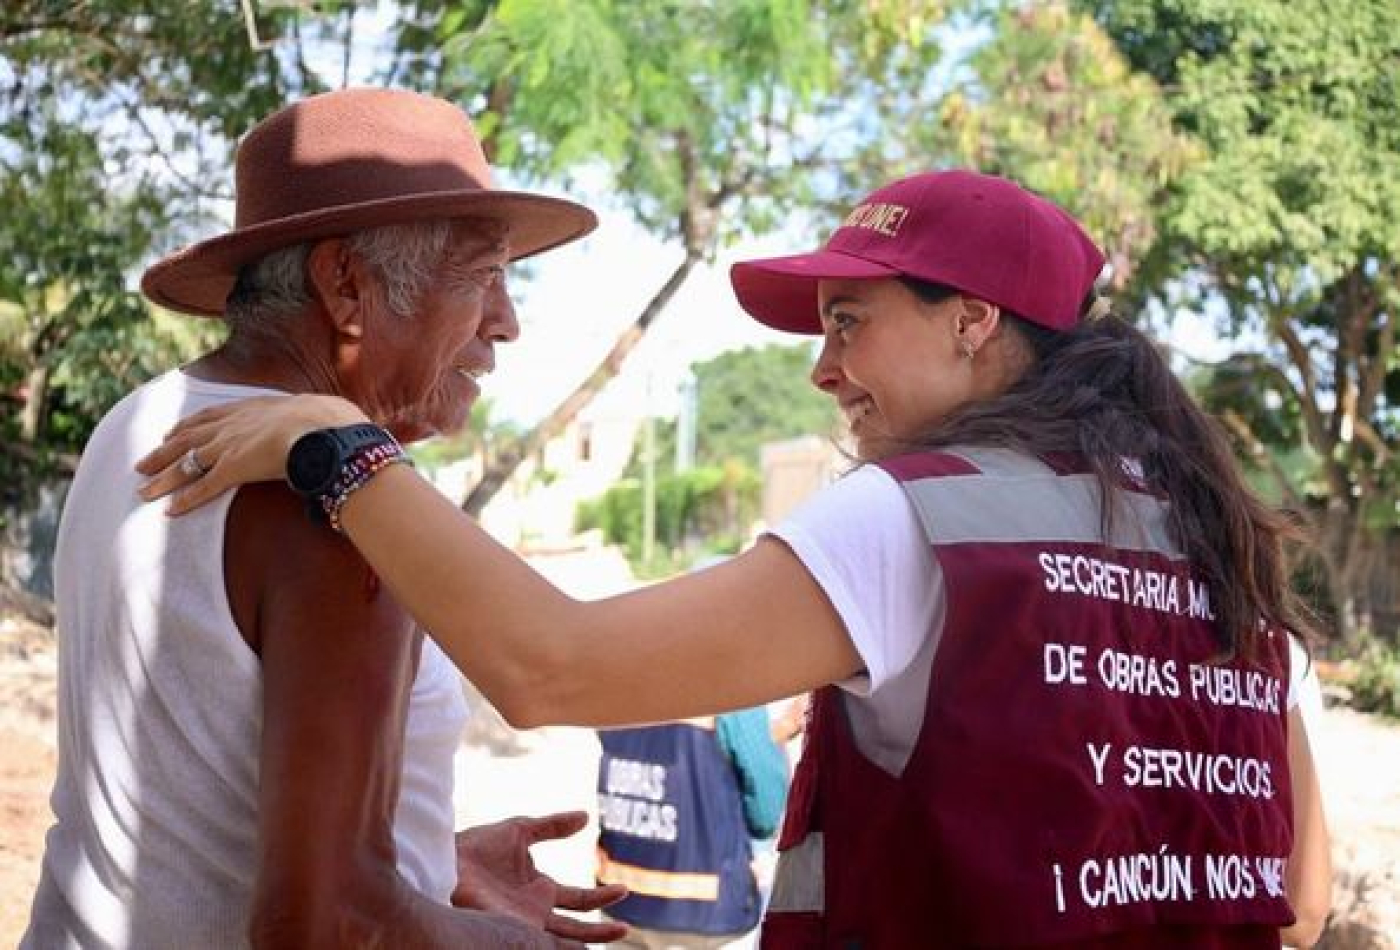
(686, 424)
(648, 478)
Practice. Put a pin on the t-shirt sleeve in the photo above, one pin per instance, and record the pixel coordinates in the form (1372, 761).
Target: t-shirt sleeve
(1304, 689)
(862, 542)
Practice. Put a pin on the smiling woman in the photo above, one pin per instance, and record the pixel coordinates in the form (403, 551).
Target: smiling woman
(1008, 422)
(872, 329)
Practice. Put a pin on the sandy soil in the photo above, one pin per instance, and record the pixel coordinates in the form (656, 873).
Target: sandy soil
(28, 755)
(501, 773)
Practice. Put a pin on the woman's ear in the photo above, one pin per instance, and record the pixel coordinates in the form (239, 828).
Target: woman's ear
(336, 280)
(976, 321)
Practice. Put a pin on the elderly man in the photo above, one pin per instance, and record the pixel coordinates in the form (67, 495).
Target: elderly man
(255, 747)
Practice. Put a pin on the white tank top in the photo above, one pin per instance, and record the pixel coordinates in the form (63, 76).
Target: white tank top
(160, 713)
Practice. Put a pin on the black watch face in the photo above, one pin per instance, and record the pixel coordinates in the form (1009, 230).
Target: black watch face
(313, 462)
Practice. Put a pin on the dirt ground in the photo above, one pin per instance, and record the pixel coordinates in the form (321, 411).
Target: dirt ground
(551, 769)
(28, 754)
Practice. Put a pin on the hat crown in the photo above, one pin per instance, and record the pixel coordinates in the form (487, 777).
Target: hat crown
(348, 161)
(981, 234)
(355, 146)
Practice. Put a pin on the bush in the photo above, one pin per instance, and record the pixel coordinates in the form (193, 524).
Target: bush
(711, 505)
(1376, 685)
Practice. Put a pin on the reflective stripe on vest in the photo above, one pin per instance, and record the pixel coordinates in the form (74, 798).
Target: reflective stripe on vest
(672, 885)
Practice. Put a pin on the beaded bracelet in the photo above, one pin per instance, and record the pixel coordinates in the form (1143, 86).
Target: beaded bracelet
(355, 473)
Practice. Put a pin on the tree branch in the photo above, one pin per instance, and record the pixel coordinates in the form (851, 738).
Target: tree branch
(510, 456)
(1298, 354)
(196, 188)
(1373, 371)
(1258, 451)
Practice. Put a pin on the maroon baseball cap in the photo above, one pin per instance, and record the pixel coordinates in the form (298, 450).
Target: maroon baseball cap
(985, 236)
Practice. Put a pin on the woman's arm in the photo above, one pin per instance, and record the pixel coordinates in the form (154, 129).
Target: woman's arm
(1309, 878)
(745, 632)
(739, 634)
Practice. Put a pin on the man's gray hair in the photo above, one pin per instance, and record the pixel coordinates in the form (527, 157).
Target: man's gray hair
(403, 256)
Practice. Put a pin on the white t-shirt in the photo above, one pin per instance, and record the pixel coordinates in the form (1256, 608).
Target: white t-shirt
(160, 715)
(862, 541)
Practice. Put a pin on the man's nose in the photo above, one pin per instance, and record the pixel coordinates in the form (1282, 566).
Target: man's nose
(498, 324)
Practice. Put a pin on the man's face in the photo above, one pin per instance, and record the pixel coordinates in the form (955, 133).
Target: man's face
(422, 369)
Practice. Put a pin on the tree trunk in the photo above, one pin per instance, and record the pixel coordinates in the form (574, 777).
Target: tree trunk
(509, 457)
(36, 393)
(1343, 554)
(1339, 592)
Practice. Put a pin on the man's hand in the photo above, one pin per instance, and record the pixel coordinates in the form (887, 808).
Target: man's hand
(495, 872)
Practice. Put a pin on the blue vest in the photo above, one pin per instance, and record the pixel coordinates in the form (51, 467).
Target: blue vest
(673, 832)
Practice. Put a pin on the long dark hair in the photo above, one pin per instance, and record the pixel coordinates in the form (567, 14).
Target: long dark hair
(1104, 391)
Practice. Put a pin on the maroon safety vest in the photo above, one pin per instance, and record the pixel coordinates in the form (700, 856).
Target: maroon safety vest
(1086, 774)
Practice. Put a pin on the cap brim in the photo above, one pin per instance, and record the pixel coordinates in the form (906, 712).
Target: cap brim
(197, 280)
(781, 292)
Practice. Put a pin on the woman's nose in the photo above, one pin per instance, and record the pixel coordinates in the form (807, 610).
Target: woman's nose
(826, 372)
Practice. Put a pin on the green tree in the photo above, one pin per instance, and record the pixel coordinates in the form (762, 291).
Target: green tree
(1288, 227)
(745, 398)
(1239, 158)
(1050, 101)
(709, 121)
(113, 119)
(714, 503)
(73, 336)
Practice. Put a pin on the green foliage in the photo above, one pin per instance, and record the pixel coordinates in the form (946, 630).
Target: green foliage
(744, 399)
(1288, 220)
(1375, 686)
(1297, 101)
(1054, 104)
(707, 118)
(714, 503)
(751, 396)
(114, 121)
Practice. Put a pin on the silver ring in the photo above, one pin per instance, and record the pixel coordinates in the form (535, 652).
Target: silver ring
(191, 466)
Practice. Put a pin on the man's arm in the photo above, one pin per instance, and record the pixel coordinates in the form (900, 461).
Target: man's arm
(338, 658)
(760, 766)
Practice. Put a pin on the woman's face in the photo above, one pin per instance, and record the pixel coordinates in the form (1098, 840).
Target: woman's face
(891, 361)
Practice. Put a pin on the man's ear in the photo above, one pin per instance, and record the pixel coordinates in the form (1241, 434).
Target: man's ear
(336, 280)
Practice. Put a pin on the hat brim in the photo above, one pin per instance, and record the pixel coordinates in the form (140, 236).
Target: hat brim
(781, 292)
(197, 279)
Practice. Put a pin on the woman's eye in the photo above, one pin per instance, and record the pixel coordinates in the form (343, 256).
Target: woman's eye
(842, 323)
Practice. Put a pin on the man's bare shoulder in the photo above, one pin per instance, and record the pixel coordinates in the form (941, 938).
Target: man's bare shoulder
(279, 561)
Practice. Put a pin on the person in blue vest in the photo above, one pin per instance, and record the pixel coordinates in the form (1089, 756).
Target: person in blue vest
(1048, 623)
(677, 806)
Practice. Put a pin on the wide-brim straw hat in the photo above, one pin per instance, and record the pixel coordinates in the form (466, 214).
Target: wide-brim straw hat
(346, 161)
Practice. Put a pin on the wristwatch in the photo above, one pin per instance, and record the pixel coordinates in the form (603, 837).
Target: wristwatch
(318, 459)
